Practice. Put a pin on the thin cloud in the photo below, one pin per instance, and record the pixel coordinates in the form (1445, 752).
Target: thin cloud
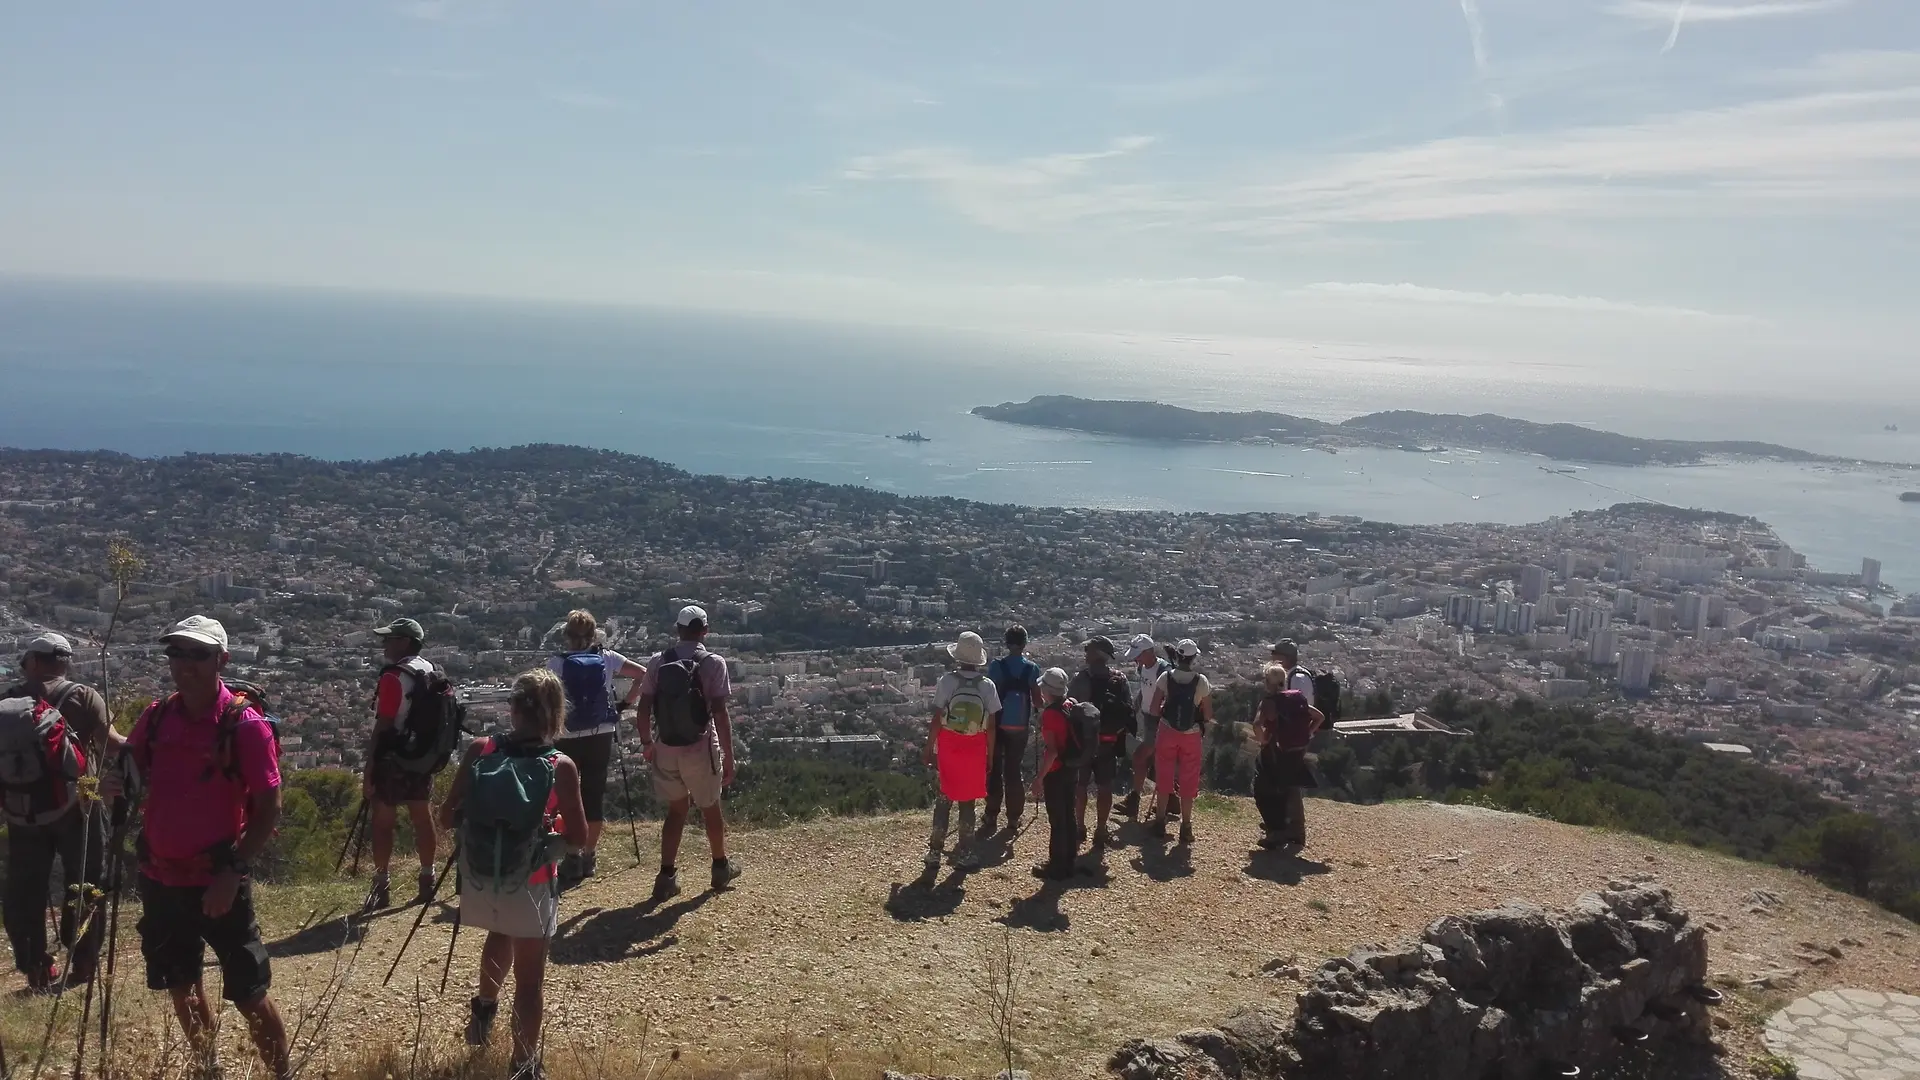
(1021, 195)
(1667, 12)
(1406, 292)
(1482, 66)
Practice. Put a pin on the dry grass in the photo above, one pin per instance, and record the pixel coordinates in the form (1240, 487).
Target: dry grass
(835, 958)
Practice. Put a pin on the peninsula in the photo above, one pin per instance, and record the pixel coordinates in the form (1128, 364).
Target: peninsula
(1398, 429)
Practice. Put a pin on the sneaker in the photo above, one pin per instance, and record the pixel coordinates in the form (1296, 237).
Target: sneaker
(480, 1014)
(666, 885)
(1130, 806)
(724, 871)
(589, 862)
(933, 859)
(425, 886)
(1186, 835)
(379, 895)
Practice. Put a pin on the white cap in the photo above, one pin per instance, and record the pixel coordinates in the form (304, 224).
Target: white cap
(1054, 679)
(691, 615)
(198, 628)
(50, 644)
(1140, 646)
(1188, 648)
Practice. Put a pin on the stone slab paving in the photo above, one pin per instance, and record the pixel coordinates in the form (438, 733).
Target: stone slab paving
(1849, 1035)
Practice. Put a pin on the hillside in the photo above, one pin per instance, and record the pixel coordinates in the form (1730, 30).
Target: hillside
(1396, 430)
(830, 951)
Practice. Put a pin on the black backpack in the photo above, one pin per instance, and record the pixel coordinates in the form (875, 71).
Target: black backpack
(1181, 710)
(680, 712)
(1113, 696)
(1326, 694)
(426, 740)
(1083, 734)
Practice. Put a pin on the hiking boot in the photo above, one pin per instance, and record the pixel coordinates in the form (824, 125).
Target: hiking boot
(1104, 838)
(424, 884)
(666, 885)
(570, 872)
(965, 858)
(1270, 842)
(1047, 873)
(933, 859)
(379, 895)
(724, 871)
(589, 862)
(480, 1014)
(1186, 834)
(1013, 825)
(1157, 827)
(1130, 806)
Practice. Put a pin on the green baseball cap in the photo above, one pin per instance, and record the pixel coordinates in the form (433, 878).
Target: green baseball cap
(405, 628)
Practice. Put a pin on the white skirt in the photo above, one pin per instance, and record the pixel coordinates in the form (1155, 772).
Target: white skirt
(532, 912)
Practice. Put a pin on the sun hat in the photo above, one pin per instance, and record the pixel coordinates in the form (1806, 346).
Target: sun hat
(1140, 646)
(1054, 679)
(198, 629)
(1187, 648)
(969, 650)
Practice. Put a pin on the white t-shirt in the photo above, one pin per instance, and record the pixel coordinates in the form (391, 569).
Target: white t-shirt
(943, 692)
(1160, 689)
(615, 664)
(1299, 679)
(1144, 679)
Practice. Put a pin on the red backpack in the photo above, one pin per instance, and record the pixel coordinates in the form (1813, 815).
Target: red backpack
(41, 762)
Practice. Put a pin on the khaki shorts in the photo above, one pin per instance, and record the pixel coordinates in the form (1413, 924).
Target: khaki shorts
(688, 772)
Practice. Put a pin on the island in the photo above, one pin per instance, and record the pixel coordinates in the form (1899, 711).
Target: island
(1401, 429)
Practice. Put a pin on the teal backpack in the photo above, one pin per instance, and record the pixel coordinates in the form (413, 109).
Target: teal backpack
(504, 831)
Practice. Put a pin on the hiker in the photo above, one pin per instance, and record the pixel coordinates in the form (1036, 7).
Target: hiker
(385, 784)
(1183, 701)
(516, 801)
(1284, 723)
(687, 737)
(1066, 736)
(586, 671)
(1286, 653)
(1106, 689)
(53, 731)
(1147, 667)
(1015, 679)
(960, 740)
(211, 766)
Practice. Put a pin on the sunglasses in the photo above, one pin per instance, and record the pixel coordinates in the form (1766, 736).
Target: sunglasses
(182, 652)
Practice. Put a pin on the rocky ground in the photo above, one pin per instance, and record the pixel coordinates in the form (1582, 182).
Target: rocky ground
(835, 949)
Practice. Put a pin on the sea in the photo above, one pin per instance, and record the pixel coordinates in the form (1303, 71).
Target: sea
(153, 369)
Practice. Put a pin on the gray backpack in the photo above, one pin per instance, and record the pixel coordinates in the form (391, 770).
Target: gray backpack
(41, 762)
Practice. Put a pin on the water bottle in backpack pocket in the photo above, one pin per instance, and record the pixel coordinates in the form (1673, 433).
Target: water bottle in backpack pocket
(41, 762)
(506, 821)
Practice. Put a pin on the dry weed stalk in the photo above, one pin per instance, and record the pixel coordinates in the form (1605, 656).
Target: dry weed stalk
(998, 978)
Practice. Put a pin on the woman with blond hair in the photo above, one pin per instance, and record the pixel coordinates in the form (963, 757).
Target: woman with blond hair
(1284, 724)
(515, 801)
(586, 671)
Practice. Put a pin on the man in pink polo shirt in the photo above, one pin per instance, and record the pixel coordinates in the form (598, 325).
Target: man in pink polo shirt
(212, 772)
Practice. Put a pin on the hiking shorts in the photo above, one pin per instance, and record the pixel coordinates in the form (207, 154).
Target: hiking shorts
(592, 754)
(395, 786)
(1105, 766)
(175, 934)
(532, 912)
(688, 772)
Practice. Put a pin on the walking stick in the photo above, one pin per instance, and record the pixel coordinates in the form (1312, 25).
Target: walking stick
(626, 787)
(432, 894)
(123, 811)
(353, 830)
(451, 942)
(361, 844)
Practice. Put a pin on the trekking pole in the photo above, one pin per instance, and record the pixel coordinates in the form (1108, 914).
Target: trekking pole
(626, 788)
(354, 829)
(451, 942)
(123, 810)
(432, 894)
(361, 844)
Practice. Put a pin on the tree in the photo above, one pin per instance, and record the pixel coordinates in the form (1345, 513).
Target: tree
(1864, 854)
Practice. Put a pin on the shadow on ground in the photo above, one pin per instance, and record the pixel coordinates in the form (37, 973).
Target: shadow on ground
(927, 897)
(1284, 869)
(600, 935)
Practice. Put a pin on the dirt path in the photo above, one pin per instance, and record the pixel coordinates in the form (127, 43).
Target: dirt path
(831, 948)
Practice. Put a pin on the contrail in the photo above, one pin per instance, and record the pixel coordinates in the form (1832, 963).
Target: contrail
(1673, 37)
(1477, 32)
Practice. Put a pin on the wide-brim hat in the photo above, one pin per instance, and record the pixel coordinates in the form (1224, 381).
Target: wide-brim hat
(969, 650)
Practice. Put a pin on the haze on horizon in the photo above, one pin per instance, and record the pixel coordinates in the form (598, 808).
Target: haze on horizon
(1687, 193)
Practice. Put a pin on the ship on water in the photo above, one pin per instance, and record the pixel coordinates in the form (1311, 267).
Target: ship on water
(913, 436)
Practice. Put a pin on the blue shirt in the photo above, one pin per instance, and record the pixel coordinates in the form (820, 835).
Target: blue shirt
(1015, 677)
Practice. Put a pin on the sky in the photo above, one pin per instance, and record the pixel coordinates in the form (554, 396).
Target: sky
(1710, 192)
